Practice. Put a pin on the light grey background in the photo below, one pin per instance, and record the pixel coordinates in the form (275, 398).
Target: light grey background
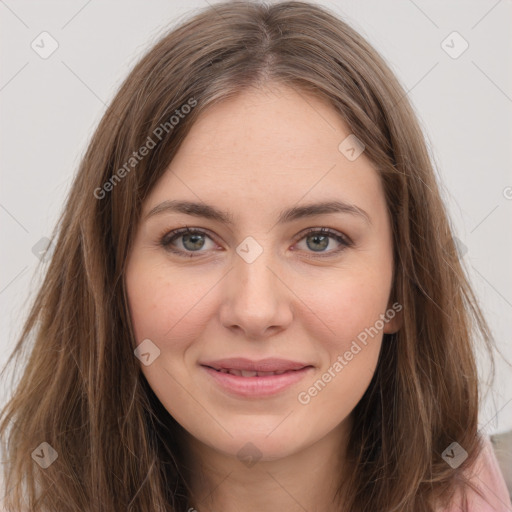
(51, 106)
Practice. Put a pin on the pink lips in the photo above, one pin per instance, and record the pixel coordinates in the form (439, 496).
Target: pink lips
(248, 378)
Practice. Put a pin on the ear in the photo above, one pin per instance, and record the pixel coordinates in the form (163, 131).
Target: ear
(395, 318)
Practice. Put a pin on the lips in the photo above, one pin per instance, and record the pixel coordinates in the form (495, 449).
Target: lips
(255, 379)
(243, 367)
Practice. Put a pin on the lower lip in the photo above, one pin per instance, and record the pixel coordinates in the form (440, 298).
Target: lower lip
(257, 386)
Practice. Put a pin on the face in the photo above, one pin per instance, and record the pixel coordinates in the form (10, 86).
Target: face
(256, 283)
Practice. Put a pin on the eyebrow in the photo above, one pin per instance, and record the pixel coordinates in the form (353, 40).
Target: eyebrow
(297, 212)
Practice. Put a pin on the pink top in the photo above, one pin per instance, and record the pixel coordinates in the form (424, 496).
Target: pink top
(486, 475)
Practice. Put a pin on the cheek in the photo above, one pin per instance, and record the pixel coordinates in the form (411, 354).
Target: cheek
(350, 347)
(348, 331)
(166, 306)
(348, 303)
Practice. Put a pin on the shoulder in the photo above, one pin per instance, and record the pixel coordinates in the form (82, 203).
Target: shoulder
(486, 476)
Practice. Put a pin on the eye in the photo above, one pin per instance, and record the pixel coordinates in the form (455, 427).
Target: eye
(318, 239)
(192, 240)
(187, 241)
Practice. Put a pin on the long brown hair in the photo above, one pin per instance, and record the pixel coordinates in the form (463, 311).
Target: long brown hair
(82, 390)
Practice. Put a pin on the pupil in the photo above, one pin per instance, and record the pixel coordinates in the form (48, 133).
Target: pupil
(317, 237)
(194, 240)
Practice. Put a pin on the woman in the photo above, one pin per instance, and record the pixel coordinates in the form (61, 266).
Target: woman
(255, 300)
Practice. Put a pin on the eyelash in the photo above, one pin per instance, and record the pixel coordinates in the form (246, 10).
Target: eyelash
(169, 237)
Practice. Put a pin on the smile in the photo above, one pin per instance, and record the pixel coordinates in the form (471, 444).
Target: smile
(252, 383)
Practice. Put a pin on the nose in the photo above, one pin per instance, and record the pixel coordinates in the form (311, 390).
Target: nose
(256, 299)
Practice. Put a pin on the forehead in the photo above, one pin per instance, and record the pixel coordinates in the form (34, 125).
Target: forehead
(267, 147)
(281, 122)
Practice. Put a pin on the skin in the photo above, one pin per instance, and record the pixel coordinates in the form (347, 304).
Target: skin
(254, 155)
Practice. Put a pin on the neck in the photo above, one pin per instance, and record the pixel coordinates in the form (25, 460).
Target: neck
(307, 479)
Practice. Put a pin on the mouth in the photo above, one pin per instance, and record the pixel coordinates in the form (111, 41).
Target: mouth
(250, 368)
(249, 379)
(249, 373)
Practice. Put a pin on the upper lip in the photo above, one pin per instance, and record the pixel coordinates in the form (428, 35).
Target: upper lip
(263, 365)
